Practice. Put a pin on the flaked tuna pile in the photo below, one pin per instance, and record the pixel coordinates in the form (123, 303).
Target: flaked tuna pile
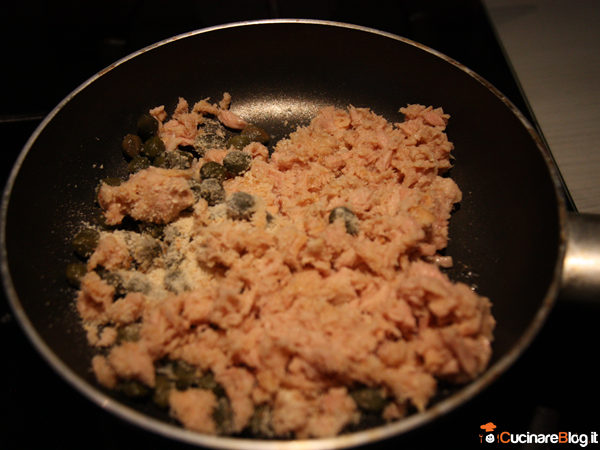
(295, 297)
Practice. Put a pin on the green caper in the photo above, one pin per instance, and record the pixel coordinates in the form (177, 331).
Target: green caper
(112, 279)
(153, 147)
(369, 399)
(128, 333)
(147, 126)
(100, 220)
(186, 375)
(145, 252)
(85, 242)
(160, 161)
(240, 206)
(157, 231)
(210, 135)
(160, 395)
(138, 163)
(261, 422)
(75, 272)
(207, 381)
(219, 391)
(182, 368)
(134, 389)
(238, 142)
(112, 181)
(138, 284)
(211, 190)
(256, 134)
(175, 280)
(223, 416)
(350, 220)
(237, 162)
(212, 169)
(178, 159)
(131, 145)
(195, 187)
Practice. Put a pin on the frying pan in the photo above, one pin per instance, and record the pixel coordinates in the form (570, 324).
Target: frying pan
(509, 237)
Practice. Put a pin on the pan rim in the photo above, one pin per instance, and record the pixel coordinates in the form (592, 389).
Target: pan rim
(353, 439)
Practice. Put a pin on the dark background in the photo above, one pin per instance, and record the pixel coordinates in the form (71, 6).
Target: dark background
(49, 48)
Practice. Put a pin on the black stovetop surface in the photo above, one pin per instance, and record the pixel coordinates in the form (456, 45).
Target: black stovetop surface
(49, 48)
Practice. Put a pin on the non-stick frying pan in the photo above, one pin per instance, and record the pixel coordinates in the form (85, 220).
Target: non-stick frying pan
(508, 237)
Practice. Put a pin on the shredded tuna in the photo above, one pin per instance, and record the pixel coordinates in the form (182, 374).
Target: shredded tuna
(111, 253)
(94, 297)
(104, 372)
(194, 408)
(153, 195)
(280, 314)
(230, 120)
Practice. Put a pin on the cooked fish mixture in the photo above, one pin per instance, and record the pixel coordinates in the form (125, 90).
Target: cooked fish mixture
(280, 294)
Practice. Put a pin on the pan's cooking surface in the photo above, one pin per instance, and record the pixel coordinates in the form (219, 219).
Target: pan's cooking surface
(456, 429)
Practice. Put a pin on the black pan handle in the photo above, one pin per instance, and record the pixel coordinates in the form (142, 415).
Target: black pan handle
(581, 268)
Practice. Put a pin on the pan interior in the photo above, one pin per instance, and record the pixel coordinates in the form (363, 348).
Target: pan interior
(504, 236)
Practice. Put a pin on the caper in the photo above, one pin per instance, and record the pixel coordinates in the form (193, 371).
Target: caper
(153, 147)
(85, 242)
(182, 368)
(195, 187)
(211, 190)
(160, 396)
(186, 375)
(138, 283)
(178, 159)
(175, 280)
(261, 422)
(184, 383)
(350, 220)
(210, 135)
(128, 333)
(114, 280)
(223, 416)
(100, 220)
(145, 252)
(256, 134)
(157, 231)
(75, 272)
(159, 161)
(131, 145)
(134, 389)
(212, 169)
(240, 206)
(238, 142)
(138, 163)
(237, 162)
(147, 126)
(219, 391)
(369, 399)
(207, 381)
(112, 181)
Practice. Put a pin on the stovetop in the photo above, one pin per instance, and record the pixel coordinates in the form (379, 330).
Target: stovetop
(52, 47)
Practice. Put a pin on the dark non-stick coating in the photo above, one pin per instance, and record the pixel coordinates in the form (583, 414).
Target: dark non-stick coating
(505, 236)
